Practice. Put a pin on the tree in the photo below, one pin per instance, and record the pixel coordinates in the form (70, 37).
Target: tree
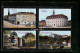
(7, 32)
(5, 38)
(28, 35)
(46, 40)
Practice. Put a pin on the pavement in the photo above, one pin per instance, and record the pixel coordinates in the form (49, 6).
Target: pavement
(10, 25)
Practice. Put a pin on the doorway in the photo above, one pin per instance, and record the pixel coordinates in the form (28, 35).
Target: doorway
(18, 23)
(54, 24)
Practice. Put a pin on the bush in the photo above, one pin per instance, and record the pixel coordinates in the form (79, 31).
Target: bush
(30, 44)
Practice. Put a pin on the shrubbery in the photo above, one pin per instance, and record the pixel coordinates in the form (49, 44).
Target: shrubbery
(30, 44)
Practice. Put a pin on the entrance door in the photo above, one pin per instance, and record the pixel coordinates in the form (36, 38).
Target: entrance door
(54, 24)
(18, 23)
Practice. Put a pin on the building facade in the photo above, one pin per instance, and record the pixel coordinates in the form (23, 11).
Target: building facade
(12, 18)
(69, 23)
(42, 23)
(27, 18)
(57, 36)
(58, 20)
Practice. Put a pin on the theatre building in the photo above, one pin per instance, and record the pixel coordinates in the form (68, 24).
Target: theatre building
(58, 20)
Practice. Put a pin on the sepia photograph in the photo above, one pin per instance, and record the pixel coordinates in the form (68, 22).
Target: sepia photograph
(54, 18)
(15, 39)
(19, 18)
(54, 40)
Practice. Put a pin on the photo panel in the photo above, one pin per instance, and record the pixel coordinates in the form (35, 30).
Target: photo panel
(47, 26)
(54, 17)
(54, 39)
(19, 17)
(19, 39)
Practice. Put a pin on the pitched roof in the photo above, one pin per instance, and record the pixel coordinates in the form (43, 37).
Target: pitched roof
(19, 13)
(56, 16)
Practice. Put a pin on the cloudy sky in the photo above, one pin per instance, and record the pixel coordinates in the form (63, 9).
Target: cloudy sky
(43, 13)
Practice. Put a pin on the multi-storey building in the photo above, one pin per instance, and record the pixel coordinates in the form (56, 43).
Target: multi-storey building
(25, 18)
(42, 23)
(21, 18)
(58, 20)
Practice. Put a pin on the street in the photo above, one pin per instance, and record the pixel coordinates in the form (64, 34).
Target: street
(10, 25)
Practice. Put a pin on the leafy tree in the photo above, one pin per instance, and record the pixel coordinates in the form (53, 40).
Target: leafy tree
(28, 35)
(6, 32)
(5, 38)
(30, 44)
(46, 40)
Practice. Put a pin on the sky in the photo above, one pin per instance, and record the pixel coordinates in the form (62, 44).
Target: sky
(16, 10)
(43, 13)
(56, 32)
(22, 33)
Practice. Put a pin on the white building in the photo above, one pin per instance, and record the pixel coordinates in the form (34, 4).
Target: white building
(64, 36)
(57, 36)
(58, 20)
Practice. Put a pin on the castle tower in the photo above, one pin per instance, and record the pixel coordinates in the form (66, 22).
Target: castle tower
(53, 12)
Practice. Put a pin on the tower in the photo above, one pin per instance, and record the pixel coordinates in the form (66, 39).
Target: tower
(8, 14)
(53, 12)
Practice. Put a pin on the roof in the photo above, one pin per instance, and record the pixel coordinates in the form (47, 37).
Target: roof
(13, 33)
(57, 34)
(42, 21)
(19, 13)
(56, 16)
